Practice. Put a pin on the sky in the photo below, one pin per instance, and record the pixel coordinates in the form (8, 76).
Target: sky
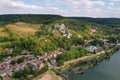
(80, 8)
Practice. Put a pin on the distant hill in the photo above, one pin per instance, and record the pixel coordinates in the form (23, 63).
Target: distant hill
(112, 22)
(28, 24)
(47, 19)
(29, 18)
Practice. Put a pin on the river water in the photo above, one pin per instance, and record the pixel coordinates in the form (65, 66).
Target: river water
(106, 70)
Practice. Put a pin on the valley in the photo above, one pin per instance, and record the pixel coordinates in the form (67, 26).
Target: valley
(34, 45)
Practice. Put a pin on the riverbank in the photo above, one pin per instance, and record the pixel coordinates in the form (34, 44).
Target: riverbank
(68, 64)
(107, 69)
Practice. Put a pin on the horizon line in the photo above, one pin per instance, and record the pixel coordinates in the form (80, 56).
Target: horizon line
(56, 15)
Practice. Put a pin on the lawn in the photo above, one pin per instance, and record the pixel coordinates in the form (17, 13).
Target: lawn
(23, 29)
(2, 32)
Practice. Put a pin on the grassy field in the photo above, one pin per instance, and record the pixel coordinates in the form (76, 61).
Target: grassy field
(2, 32)
(49, 75)
(57, 33)
(23, 29)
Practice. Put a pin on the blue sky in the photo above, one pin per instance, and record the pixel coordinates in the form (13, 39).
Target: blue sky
(82, 8)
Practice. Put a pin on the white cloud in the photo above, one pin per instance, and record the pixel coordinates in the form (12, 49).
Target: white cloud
(101, 3)
(19, 7)
(115, 0)
(83, 3)
(16, 6)
(84, 7)
(91, 8)
(111, 3)
(54, 10)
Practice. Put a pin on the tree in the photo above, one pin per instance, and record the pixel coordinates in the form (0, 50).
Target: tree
(60, 62)
(13, 62)
(16, 74)
(22, 78)
(20, 60)
(72, 54)
(27, 70)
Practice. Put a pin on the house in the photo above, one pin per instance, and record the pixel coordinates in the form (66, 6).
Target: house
(40, 57)
(22, 67)
(45, 59)
(45, 54)
(4, 65)
(17, 67)
(62, 28)
(10, 51)
(92, 49)
(54, 55)
(3, 72)
(105, 41)
(30, 77)
(24, 52)
(33, 66)
(57, 25)
(1, 65)
(49, 55)
(64, 35)
(14, 68)
(58, 51)
(93, 31)
(39, 63)
(53, 61)
(69, 35)
(9, 72)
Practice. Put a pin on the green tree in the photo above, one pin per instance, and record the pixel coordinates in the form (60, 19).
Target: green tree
(16, 74)
(27, 70)
(20, 60)
(60, 62)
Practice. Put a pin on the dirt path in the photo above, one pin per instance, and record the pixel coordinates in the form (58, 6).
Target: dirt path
(83, 58)
(80, 59)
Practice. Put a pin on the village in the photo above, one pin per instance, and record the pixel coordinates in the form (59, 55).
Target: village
(35, 63)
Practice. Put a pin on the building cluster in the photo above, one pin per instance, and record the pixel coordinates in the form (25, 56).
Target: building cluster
(106, 42)
(93, 31)
(64, 30)
(31, 61)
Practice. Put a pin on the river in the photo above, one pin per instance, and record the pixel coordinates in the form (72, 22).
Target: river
(106, 70)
